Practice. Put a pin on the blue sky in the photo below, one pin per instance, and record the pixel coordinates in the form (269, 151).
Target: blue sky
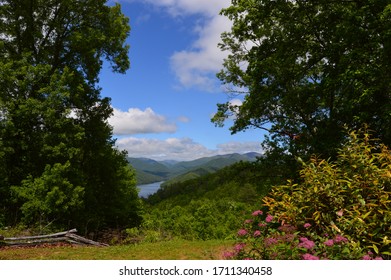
(164, 103)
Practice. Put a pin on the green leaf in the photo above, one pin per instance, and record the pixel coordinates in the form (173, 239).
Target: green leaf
(375, 248)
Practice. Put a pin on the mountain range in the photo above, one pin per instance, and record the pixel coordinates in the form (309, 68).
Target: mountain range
(150, 171)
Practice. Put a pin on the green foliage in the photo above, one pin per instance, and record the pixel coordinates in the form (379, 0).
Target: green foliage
(208, 207)
(349, 197)
(306, 68)
(49, 197)
(58, 160)
(202, 219)
(240, 181)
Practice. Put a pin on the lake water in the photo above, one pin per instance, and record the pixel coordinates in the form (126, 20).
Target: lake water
(146, 190)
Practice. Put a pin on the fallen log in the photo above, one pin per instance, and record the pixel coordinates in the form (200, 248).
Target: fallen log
(83, 240)
(59, 237)
(19, 238)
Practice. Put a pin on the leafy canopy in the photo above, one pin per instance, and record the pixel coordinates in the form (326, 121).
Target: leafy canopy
(56, 145)
(306, 68)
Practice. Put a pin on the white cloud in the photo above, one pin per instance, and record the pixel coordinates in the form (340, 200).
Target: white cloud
(239, 147)
(180, 148)
(183, 119)
(136, 121)
(197, 66)
(181, 7)
(236, 102)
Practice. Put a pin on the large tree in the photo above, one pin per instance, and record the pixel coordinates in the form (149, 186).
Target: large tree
(58, 161)
(307, 69)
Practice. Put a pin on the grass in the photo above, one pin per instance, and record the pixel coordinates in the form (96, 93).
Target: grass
(167, 250)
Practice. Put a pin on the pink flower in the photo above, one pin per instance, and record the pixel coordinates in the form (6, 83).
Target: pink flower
(307, 225)
(228, 255)
(261, 225)
(367, 257)
(340, 213)
(239, 247)
(288, 237)
(340, 239)
(257, 233)
(269, 218)
(310, 257)
(258, 212)
(305, 243)
(378, 258)
(329, 243)
(242, 232)
(270, 241)
(249, 221)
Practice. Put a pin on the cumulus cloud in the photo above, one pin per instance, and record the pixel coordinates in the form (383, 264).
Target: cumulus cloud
(180, 148)
(197, 65)
(136, 121)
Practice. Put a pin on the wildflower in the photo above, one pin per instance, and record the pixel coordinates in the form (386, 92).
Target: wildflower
(329, 243)
(257, 233)
(305, 243)
(228, 255)
(307, 225)
(270, 241)
(378, 258)
(340, 239)
(288, 237)
(269, 218)
(242, 232)
(340, 213)
(258, 212)
(367, 257)
(249, 221)
(239, 247)
(261, 225)
(310, 257)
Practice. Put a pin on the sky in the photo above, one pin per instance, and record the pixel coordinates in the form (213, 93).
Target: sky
(164, 102)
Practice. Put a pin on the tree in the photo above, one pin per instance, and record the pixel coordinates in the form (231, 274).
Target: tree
(54, 134)
(306, 69)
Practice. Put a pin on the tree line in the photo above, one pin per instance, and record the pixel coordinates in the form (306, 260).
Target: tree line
(58, 163)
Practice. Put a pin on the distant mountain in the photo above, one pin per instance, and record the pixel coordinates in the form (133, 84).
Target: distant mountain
(150, 171)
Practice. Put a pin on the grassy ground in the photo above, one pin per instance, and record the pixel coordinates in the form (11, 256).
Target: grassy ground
(168, 250)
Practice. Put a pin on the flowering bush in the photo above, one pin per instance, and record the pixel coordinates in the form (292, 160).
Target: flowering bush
(263, 238)
(340, 210)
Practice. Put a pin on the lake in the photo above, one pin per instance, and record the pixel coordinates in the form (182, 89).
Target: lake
(146, 190)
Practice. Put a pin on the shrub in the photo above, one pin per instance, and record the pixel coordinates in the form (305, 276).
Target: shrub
(262, 237)
(346, 200)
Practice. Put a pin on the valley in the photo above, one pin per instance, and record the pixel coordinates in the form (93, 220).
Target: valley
(151, 171)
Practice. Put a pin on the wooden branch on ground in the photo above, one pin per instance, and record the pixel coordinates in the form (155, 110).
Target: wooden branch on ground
(65, 236)
(41, 236)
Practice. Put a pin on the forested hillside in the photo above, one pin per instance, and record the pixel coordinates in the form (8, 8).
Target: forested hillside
(149, 170)
(211, 206)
